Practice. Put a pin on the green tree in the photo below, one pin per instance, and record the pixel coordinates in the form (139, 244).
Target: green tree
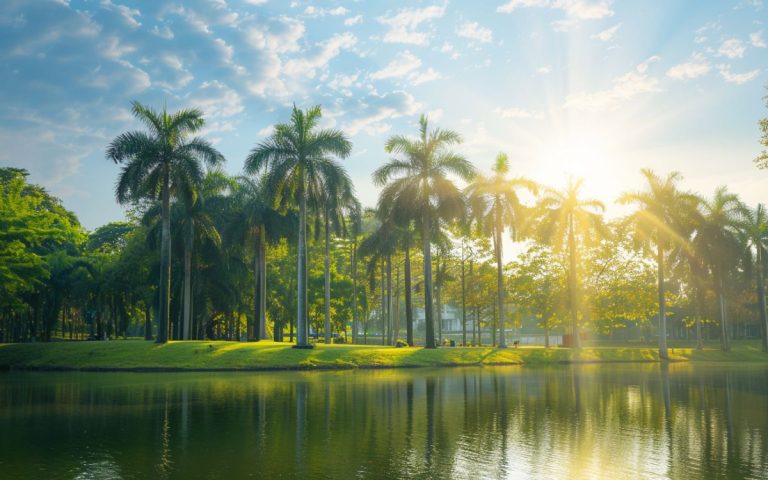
(416, 183)
(659, 223)
(496, 206)
(159, 163)
(754, 231)
(567, 221)
(298, 166)
(717, 242)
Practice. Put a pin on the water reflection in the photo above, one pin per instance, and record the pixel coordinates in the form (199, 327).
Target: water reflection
(651, 421)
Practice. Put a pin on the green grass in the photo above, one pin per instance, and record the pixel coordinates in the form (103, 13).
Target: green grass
(202, 355)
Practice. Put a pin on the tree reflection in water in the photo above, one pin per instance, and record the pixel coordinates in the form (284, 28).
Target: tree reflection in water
(664, 421)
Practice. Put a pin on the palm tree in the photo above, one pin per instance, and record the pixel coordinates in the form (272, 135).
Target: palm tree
(257, 222)
(379, 246)
(298, 166)
(420, 191)
(155, 164)
(496, 206)
(663, 212)
(754, 230)
(717, 242)
(339, 203)
(565, 221)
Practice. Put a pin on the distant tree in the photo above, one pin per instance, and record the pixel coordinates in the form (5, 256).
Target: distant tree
(298, 164)
(495, 206)
(158, 163)
(567, 221)
(659, 222)
(717, 242)
(416, 183)
(754, 231)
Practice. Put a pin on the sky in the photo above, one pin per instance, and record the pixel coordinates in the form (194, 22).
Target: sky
(591, 88)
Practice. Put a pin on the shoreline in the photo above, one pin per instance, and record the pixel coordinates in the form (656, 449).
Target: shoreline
(219, 356)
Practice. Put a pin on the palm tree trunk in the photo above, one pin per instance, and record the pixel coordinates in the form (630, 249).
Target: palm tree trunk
(396, 302)
(408, 298)
(147, 324)
(662, 302)
(165, 262)
(573, 284)
(254, 325)
(187, 283)
(761, 298)
(724, 340)
(499, 278)
(439, 305)
(698, 302)
(390, 319)
(463, 300)
(302, 326)
(384, 306)
(262, 285)
(354, 288)
(327, 280)
(428, 306)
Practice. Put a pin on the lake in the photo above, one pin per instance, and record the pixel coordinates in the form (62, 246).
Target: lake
(590, 421)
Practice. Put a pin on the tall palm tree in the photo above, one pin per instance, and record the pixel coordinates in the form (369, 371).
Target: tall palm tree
(754, 230)
(339, 205)
(155, 163)
(298, 164)
(496, 206)
(417, 184)
(663, 211)
(717, 241)
(565, 220)
(257, 222)
(379, 247)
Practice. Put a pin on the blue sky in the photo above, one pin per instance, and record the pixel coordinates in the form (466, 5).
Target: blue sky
(594, 88)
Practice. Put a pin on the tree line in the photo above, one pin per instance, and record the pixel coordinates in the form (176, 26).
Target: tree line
(285, 249)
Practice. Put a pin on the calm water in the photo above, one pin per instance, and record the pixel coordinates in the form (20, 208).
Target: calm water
(572, 422)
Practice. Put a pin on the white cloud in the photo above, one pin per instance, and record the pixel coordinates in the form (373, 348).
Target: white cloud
(372, 111)
(329, 49)
(575, 9)
(625, 88)
(446, 47)
(164, 32)
(732, 48)
(607, 34)
(403, 64)
(756, 39)
(514, 112)
(114, 49)
(406, 64)
(643, 67)
(216, 100)
(404, 25)
(428, 75)
(737, 78)
(343, 82)
(277, 35)
(474, 31)
(313, 11)
(128, 14)
(353, 20)
(513, 5)
(696, 67)
(435, 115)
(544, 70)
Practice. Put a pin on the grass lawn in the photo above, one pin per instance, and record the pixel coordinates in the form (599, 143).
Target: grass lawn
(207, 355)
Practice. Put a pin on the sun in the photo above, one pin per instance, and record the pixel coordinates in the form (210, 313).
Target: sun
(580, 152)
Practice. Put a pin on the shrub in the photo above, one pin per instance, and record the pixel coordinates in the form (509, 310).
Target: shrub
(400, 343)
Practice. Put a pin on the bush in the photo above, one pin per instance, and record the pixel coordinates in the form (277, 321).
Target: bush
(339, 340)
(400, 343)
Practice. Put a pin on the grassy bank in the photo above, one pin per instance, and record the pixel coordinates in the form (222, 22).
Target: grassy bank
(202, 355)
